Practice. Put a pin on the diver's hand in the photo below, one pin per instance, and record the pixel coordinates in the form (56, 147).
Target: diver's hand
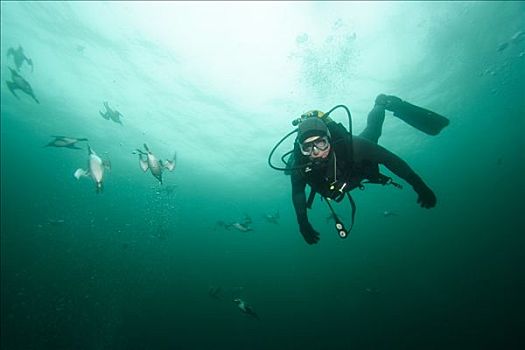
(310, 235)
(425, 197)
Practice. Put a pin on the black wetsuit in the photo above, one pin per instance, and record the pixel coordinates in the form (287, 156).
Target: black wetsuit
(352, 167)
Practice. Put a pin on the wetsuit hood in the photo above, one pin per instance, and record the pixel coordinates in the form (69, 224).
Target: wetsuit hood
(311, 127)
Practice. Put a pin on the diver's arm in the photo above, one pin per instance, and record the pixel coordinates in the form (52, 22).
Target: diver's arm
(299, 197)
(299, 203)
(380, 155)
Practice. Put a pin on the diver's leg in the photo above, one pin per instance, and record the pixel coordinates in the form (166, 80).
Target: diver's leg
(420, 118)
(374, 123)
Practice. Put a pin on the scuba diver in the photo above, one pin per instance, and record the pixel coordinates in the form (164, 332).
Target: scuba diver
(333, 162)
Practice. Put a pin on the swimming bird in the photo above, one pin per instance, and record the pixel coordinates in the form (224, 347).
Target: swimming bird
(243, 226)
(95, 169)
(64, 141)
(19, 83)
(147, 160)
(246, 308)
(272, 218)
(112, 114)
(19, 57)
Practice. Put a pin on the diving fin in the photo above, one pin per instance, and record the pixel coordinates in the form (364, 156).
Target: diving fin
(420, 118)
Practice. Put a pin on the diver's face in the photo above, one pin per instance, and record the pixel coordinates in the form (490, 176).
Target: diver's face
(316, 147)
(320, 155)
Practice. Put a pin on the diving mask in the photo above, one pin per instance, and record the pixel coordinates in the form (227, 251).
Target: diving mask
(320, 143)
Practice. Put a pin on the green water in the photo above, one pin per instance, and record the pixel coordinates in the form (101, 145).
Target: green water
(219, 83)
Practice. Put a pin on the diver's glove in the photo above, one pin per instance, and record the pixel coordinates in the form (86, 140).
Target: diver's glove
(310, 235)
(425, 197)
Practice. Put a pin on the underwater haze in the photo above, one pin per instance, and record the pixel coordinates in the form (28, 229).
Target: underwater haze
(213, 86)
